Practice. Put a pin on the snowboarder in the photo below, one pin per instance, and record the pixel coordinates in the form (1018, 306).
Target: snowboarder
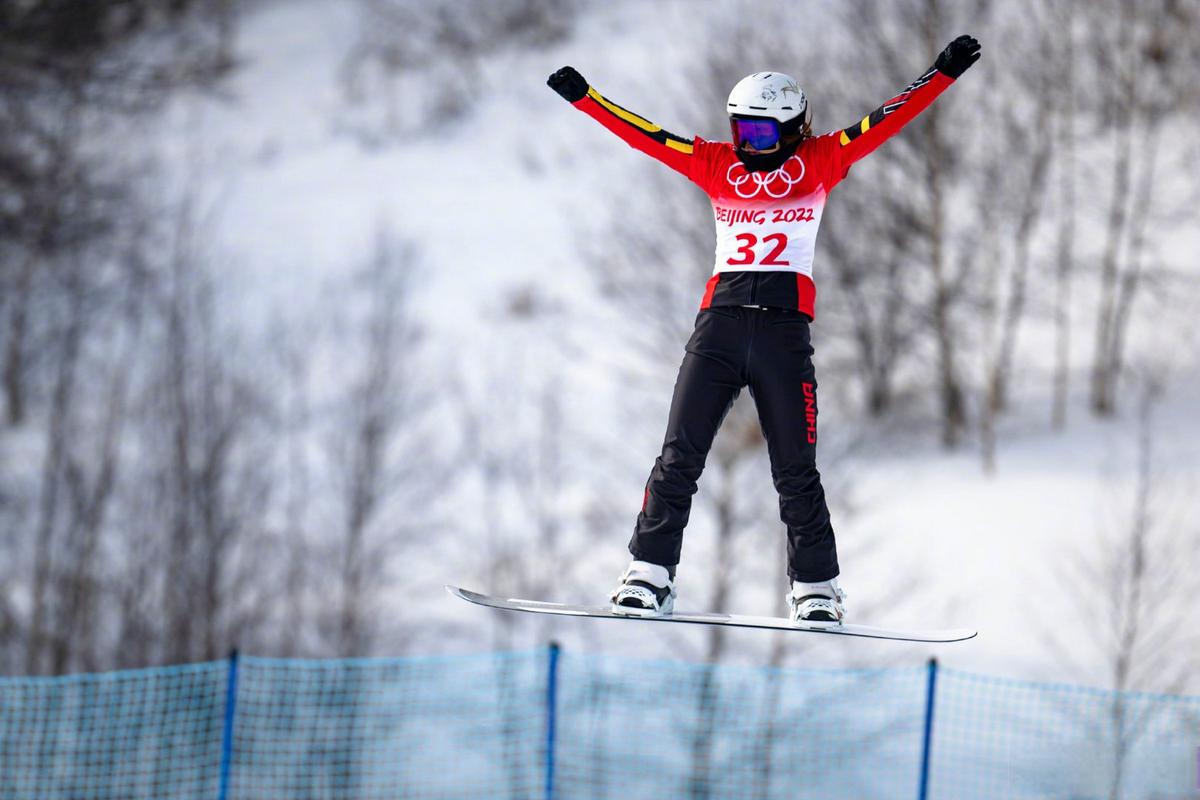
(768, 190)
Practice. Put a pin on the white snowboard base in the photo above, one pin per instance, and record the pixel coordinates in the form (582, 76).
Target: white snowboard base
(701, 618)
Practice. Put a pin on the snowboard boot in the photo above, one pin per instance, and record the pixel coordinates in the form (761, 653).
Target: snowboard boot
(816, 605)
(646, 590)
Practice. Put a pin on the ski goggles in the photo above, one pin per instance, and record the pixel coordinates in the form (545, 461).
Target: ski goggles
(760, 133)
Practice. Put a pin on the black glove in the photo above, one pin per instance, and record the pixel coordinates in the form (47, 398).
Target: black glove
(958, 56)
(569, 83)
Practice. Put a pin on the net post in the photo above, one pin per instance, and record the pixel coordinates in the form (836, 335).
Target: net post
(927, 739)
(227, 732)
(551, 717)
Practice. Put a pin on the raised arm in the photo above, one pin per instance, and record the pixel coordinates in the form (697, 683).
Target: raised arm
(877, 127)
(637, 132)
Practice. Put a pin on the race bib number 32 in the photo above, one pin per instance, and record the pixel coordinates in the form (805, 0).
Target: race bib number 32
(745, 253)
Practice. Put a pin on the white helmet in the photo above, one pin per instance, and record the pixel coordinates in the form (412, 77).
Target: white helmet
(774, 95)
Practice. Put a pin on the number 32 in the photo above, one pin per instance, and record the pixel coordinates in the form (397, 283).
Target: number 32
(746, 250)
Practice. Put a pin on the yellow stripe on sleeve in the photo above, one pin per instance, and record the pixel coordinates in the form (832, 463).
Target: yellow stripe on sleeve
(845, 140)
(865, 125)
(683, 147)
(629, 117)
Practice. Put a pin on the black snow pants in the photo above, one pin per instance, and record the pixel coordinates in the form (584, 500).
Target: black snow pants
(769, 351)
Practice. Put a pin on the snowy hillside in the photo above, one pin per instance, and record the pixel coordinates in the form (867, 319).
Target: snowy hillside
(297, 178)
(490, 201)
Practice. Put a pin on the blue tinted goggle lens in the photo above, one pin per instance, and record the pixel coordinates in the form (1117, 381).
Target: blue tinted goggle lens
(761, 134)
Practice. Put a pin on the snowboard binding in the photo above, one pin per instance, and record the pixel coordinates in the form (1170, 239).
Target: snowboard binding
(645, 590)
(816, 605)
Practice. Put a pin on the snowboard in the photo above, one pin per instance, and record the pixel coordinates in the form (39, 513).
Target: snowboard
(703, 618)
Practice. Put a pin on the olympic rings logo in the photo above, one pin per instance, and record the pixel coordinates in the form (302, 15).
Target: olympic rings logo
(764, 182)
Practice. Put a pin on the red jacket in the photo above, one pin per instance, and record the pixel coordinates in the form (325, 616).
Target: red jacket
(767, 221)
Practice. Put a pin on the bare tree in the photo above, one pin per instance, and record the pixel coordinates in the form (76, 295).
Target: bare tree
(382, 459)
(1067, 212)
(519, 450)
(872, 296)
(92, 479)
(52, 485)
(924, 166)
(66, 70)
(415, 60)
(873, 237)
(1135, 592)
(208, 488)
(1147, 49)
(1011, 208)
(301, 553)
(73, 281)
(937, 165)
(97, 296)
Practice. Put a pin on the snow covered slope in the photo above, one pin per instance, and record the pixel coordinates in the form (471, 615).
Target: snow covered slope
(490, 202)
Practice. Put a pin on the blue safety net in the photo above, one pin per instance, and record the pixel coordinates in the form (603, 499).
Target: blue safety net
(667, 729)
(544, 724)
(152, 733)
(411, 728)
(1000, 738)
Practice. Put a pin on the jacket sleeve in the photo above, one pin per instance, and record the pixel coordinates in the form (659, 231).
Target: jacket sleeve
(639, 133)
(881, 124)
